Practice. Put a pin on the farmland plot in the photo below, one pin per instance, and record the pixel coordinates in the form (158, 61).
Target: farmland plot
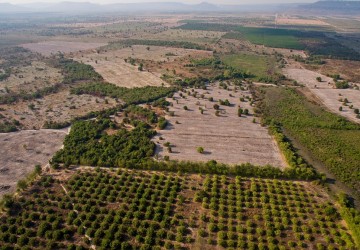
(127, 209)
(225, 137)
(21, 151)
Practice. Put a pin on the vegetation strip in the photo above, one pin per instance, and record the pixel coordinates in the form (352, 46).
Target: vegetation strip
(331, 139)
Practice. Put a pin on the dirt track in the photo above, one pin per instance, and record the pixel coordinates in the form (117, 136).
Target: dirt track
(21, 151)
(226, 138)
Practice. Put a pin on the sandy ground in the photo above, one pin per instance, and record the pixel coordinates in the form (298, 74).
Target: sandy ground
(52, 47)
(59, 107)
(114, 69)
(21, 151)
(326, 91)
(226, 138)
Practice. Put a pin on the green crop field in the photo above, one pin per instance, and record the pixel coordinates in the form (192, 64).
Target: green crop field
(127, 209)
(277, 38)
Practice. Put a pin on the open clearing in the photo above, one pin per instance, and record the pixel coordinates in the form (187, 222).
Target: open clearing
(226, 138)
(52, 47)
(21, 151)
(59, 107)
(112, 66)
(326, 92)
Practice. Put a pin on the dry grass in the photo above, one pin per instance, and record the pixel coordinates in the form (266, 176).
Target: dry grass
(52, 47)
(226, 138)
(21, 151)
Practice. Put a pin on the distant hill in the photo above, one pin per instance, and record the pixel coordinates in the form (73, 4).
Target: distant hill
(7, 8)
(332, 6)
(178, 7)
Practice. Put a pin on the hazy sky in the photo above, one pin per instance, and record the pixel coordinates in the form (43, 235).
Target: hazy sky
(184, 1)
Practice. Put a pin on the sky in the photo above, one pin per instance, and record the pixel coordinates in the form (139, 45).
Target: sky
(184, 1)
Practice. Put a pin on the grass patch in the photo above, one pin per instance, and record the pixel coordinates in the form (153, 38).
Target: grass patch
(257, 66)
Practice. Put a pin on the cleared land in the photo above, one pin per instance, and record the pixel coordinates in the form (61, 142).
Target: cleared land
(326, 91)
(225, 138)
(52, 47)
(31, 78)
(59, 107)
(21, 151)
(112, 66)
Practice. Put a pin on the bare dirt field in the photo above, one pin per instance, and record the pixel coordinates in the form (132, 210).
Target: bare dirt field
(30, 78)
(112, 66)
(52, 47)
(59, 107)
(21, 151)
(225, 138)
(326, 92)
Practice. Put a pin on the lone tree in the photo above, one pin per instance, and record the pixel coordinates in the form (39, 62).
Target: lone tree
(240, 112)
(200, 150)
(319, 79)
